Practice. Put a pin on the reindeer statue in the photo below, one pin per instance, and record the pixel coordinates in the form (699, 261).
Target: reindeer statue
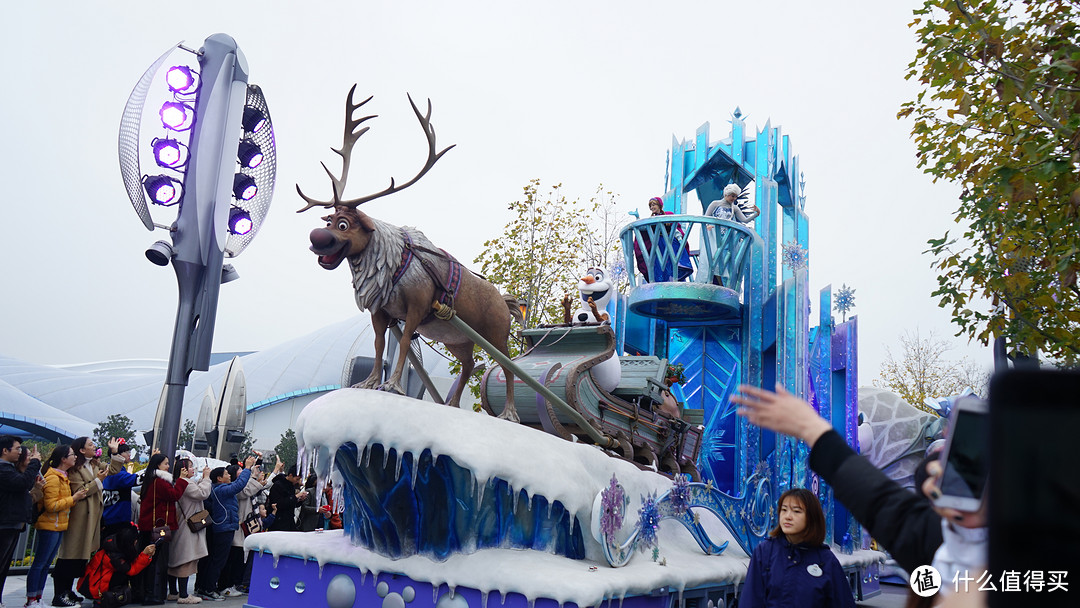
(398, 273)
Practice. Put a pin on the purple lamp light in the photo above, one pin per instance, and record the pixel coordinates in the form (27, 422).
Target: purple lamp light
(244, 187)
(176, 116)
(181, 79)
(163, 190)
(240, 221)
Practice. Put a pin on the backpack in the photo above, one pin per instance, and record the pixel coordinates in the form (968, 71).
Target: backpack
(38, 498)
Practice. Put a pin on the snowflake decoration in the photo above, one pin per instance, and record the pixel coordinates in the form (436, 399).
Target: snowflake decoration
(680, 494)
(612, 502)
(794, 256)
(845, 300)
(649, 521)
(617, 272)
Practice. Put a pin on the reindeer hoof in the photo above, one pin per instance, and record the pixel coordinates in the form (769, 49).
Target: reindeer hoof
(510, 415)
(390, 388)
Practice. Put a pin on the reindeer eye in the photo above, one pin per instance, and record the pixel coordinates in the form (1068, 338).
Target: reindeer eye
(343, 225)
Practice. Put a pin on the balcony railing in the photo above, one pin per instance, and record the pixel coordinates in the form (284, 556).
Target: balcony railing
(691, 248)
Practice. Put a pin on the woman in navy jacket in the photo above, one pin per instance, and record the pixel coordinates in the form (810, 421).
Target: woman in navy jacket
(795, 568)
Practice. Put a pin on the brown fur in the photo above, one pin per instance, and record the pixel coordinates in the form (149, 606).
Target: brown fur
(373, 249)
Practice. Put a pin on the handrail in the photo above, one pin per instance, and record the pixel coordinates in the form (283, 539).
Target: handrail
(662, 244)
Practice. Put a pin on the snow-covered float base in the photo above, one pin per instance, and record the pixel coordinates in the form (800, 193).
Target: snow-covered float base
(361, 567)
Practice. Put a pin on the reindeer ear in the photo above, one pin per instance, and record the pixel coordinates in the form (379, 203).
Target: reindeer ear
(365, 221)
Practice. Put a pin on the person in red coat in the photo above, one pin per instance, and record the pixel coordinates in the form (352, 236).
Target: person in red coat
(113, 565)
(157, 509)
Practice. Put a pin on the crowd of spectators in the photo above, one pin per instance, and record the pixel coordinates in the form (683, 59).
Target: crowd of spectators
(120, 537)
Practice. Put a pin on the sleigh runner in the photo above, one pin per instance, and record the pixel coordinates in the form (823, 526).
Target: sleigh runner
(560, 358)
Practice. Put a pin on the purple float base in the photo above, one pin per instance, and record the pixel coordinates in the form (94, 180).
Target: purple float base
(294, 582)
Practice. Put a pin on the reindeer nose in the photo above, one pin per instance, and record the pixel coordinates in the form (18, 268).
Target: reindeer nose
(321, 238)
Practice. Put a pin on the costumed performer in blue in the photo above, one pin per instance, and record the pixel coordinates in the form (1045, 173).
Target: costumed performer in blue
(662, 264)
(795, 568)
(729, 209)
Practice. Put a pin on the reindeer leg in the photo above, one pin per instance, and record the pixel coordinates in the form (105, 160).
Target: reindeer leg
(380, 321)
(412, 321)
(464, 354)
(510, 411)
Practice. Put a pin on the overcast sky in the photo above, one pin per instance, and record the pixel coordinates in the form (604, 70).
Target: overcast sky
(581, 93)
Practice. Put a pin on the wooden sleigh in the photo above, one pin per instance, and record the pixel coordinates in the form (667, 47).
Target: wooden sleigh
(561, 358)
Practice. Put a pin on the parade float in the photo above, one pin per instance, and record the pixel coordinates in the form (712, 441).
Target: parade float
(577, 490)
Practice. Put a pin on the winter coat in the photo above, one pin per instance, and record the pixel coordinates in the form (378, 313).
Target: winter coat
(224, 508)
(57, 502)
(116, 496)
(110, 569)
(83, 537)
(16, 507)
(903, 522)
(783, 575)
(283, 494)
(188, 546)
(243, 501)
(158, 507)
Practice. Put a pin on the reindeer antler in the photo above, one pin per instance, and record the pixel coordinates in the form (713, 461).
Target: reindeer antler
(347, 143)
(351, 135)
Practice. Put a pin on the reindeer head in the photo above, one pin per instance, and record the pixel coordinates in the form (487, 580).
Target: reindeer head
(348, 230)
(347, 233)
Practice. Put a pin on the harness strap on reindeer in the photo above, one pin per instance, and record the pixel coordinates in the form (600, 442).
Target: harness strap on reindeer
(449, 289)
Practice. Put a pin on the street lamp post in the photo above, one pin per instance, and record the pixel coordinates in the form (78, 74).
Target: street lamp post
(219, 204)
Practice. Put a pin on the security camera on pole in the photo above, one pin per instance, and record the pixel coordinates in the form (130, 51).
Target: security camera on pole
(215, 162)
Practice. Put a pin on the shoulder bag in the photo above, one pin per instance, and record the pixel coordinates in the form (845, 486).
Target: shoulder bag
(162, 533)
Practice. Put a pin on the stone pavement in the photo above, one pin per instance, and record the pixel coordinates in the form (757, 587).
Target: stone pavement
(15, 595)
(892, 596)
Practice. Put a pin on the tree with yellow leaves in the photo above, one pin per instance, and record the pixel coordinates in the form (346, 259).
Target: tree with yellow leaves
(1000, 115)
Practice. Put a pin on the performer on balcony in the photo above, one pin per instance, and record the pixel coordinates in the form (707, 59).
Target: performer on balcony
(662, 267)
(724, 209)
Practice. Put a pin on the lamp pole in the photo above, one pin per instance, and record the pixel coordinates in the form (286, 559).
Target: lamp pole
(201, 229)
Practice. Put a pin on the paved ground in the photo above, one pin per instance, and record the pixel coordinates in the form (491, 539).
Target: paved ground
(892, 596)
(15, 595)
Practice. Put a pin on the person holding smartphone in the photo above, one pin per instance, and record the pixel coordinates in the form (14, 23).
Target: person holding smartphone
(53, 522)
(907, 524)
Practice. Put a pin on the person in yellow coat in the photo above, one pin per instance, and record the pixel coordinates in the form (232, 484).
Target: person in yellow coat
(83, 537)
(53, 521)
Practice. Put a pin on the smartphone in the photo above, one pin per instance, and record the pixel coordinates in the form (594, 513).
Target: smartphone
(965, 459)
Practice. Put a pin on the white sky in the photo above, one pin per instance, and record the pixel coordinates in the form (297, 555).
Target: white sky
(575, 92)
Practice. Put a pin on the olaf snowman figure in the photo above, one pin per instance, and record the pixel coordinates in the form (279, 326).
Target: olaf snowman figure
(596, 291)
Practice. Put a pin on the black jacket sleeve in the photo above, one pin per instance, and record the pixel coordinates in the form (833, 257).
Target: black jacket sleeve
(903, 522)
(283, 495)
